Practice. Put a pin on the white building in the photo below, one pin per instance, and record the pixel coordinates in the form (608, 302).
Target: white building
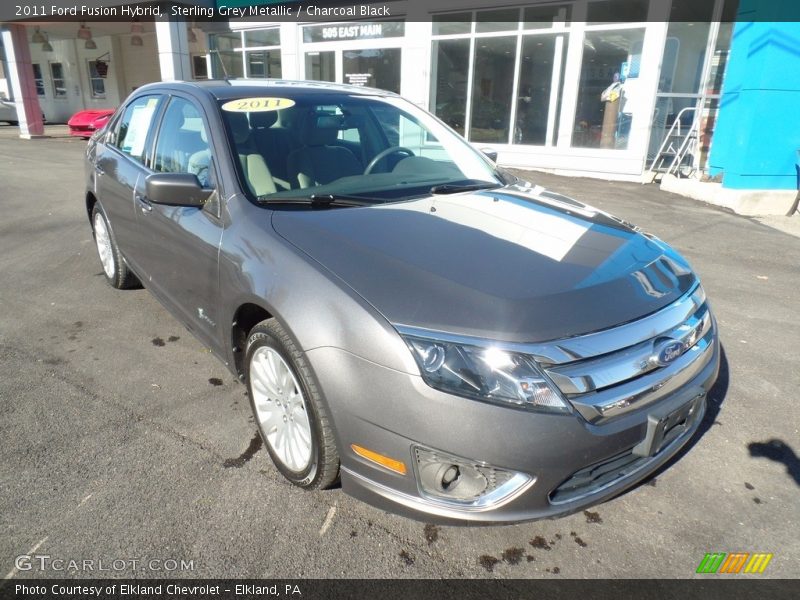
(526, 79)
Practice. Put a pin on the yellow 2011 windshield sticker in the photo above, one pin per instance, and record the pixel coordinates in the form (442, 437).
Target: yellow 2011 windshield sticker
(257, 104)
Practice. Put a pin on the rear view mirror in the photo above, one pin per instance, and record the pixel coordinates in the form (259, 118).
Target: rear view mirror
(176, 189)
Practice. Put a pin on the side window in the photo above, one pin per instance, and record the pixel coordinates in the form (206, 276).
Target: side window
(182, 145)
(134, 126)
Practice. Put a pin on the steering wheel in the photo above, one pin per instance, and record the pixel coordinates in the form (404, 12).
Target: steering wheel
(381, 155)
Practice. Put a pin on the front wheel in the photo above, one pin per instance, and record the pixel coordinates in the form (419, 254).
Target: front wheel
(286, 403)
(115, 269)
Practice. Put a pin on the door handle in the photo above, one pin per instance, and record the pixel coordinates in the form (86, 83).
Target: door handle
(99, 170)
(144, 204)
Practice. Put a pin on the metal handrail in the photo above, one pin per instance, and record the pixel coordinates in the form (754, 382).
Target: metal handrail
(667, 137)
(684, 147)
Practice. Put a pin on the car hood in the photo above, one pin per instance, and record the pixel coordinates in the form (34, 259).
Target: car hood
(513, 264)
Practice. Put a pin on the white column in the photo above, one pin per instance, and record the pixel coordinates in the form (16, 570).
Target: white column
(23, 86)
(290, 51)
(173, 50)
(415, 74)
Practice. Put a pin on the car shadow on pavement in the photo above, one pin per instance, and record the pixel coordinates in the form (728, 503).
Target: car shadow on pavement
(779, 451)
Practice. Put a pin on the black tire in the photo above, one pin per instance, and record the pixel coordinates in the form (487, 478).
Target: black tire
(323, 469)
(122, 278)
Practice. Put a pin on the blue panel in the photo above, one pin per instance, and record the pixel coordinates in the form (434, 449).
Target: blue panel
(757, 135)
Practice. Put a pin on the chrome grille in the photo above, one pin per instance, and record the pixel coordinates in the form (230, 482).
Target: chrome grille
(613, 372)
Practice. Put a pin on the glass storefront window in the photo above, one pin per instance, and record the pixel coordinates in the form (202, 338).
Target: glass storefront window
(264, 63)
(684, 57)
(452, 24)
(230, 58)
(492, 89)
(505, 19)
(614, 11)
(226, 41)
(686, 45)
(609, 57)
(449, 82)
(473, 75)
(262, 37)
(321, 66)
(378, 68)
(225, 60)
(545, 17)
(540, 56)
(719, 60)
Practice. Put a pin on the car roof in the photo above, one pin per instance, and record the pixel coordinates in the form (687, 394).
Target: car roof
(224, 89)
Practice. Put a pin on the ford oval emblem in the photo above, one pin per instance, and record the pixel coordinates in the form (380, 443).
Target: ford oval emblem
(668, 352)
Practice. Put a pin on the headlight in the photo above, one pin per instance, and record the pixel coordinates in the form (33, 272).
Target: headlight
(484, 371)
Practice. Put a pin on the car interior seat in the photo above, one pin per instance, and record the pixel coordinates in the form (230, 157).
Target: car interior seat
(200, 162)
(318, 161)
(274, 144)
(256, 173)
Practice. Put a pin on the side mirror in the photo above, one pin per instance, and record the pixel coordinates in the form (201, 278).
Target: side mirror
(176, 189)
(490, 154)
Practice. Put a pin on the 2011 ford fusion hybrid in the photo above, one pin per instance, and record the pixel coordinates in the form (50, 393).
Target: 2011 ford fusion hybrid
(450, 342)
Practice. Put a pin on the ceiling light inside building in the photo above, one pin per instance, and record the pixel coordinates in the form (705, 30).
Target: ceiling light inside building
(90, 45)
(137, 29)
(38, 37)
(84, 33)
(46, 47)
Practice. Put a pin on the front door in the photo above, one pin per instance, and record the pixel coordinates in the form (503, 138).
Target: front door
(120, 166)
(182, 257)
(364, 54)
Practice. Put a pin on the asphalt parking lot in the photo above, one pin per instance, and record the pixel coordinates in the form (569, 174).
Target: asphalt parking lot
(123, 438)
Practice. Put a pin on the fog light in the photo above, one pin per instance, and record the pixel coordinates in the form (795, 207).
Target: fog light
(451, 479)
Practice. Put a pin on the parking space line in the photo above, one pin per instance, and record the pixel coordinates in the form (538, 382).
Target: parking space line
(326, 524)
(15, 570)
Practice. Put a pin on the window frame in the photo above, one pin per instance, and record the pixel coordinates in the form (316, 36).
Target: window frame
(520, 33)
(161, 122)
(241, 51)
(62, 79)
(213, 209)
(39, 81)
(148, 143)
(103, 96)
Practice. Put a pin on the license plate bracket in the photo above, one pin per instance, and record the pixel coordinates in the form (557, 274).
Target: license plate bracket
(669, 423)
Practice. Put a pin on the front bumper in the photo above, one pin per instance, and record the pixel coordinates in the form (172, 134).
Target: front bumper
(390, 412)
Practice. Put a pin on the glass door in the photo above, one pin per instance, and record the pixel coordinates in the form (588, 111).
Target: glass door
(321, 66)
(363, 54)
(378, 68)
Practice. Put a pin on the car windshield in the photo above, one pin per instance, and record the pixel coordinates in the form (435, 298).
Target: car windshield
(374, 148)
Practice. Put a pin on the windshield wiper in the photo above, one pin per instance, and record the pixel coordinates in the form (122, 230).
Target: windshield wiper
(321, 200)
(452, 188)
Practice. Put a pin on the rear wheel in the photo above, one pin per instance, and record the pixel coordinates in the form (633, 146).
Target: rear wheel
(116, 271)
(291, 418)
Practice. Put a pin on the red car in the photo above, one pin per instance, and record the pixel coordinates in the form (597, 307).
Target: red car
(84, 123)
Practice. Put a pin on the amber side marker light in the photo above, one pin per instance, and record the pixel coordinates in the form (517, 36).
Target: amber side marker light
(393, 465)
